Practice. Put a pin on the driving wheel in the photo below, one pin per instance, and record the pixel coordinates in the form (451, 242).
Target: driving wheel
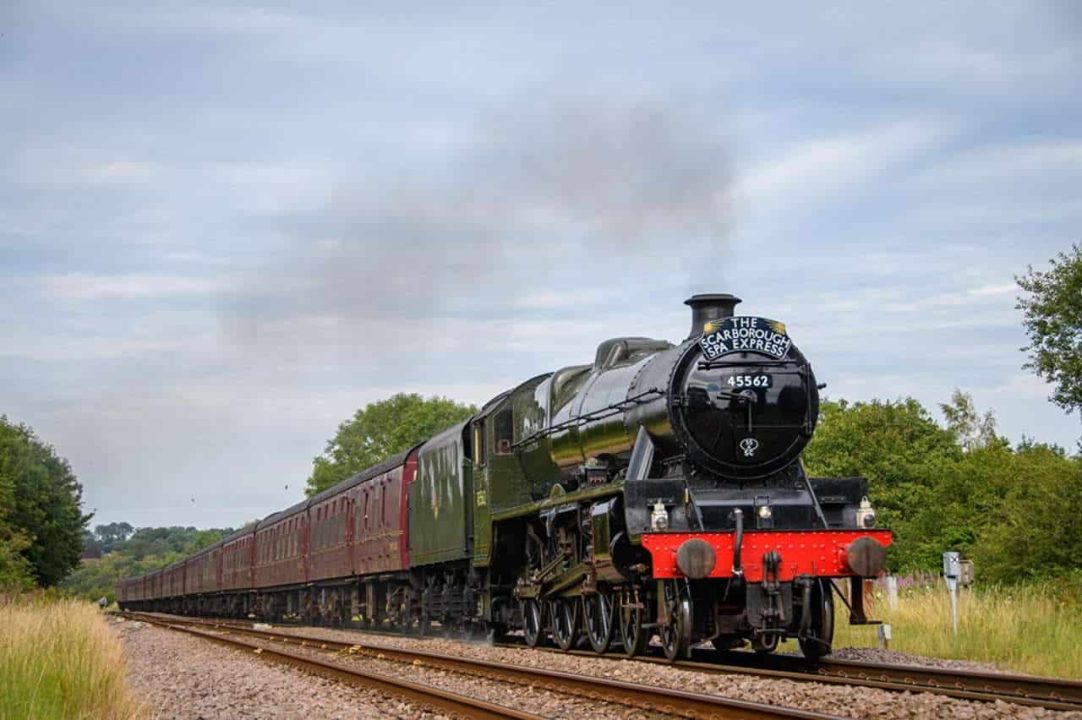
(632, 617)
(565, 622)
(676, 634)
(599, 620)
(532, 621)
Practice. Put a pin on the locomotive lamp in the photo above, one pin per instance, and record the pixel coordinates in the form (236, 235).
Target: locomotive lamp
(659, 518)
(865, 514)
(764, 514)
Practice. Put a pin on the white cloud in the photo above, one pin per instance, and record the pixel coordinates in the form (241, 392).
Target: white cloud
(62, 349)
(1000, 289)
(123, 171)
(66, 164)
(825, 165)
(1005, 163)
(90, 286)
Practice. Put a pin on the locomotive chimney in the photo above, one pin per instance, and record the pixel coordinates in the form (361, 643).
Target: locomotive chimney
(707, 307)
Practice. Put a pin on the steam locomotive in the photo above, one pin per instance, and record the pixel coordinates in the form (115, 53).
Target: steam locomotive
(657, 491)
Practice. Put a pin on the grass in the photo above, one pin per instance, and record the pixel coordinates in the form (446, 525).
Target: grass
(58, 659)
(1034, 628)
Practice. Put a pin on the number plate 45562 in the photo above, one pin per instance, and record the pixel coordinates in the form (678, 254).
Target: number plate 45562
(750, 381)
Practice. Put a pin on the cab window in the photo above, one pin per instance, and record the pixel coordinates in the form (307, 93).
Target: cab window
(504, 431)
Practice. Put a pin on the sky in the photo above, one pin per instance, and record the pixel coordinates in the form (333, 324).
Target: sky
(225, 226)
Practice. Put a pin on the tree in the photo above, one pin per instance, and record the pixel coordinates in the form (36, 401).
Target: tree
(160, 541)
(1053, 322)
(380, 430)
(91, 546)
(1035, 532)
(45, 505)
(972, 429)
(111, 534)
(15, 571)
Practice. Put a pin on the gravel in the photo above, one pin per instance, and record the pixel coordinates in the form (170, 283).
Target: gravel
(179, 676)
(832, 699)
(893, 657)
(537, 700)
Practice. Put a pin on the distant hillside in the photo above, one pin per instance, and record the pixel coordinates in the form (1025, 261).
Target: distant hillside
(127, 552)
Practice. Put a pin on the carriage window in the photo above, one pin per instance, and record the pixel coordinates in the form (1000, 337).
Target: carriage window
(504, 430)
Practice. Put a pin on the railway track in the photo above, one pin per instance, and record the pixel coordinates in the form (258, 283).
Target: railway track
(667, 701)
(438, 699)
(1048, 693)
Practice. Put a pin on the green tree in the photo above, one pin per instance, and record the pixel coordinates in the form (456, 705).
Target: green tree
(91, 545)
(111, 534)
(380, 430)
(1035, 532)
(1053, 322)
(966, 498)
(15, 571)
(46, 509)
(159, 541)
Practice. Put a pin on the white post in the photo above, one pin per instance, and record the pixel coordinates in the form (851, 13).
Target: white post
(891, 583)
(953, 585)
(952, 566)
(883, 635)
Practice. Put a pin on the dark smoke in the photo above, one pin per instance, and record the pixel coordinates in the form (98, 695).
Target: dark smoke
(571, 188)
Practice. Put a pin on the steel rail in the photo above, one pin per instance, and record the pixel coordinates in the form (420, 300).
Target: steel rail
(1052, 693)
(441, 700)
(972, 685)
(679, 703)
(978, 686)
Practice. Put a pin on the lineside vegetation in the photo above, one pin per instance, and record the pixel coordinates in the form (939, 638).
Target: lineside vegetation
(1033, 628)
(58, 659)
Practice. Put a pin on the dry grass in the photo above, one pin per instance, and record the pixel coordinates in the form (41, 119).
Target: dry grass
(58, 659)
(1030, 628)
